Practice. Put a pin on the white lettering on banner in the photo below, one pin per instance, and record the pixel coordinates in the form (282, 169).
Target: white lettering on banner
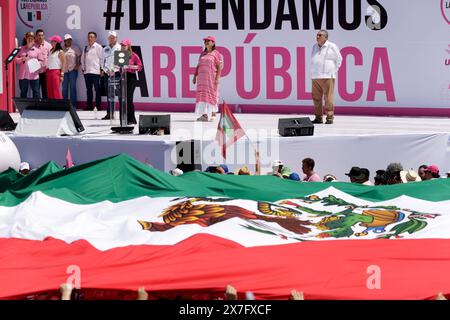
(75, 276)
(374, 280)
(73, 21)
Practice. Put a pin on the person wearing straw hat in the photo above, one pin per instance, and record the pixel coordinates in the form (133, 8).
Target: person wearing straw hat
(207, 78)
(409, 176)
(54, 74)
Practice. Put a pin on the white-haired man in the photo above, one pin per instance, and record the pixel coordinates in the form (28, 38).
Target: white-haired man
(325, 62)
(110, 71)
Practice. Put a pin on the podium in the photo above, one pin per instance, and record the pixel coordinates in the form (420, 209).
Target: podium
(122, 60)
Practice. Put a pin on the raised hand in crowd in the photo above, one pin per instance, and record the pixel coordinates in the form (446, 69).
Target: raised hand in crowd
(295, 295)
(142, 294)
(66, 291)
(231, 293)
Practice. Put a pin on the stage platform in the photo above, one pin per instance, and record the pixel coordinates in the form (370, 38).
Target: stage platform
(370, 142)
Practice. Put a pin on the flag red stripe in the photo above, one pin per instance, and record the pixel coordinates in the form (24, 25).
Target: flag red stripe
(204, 264)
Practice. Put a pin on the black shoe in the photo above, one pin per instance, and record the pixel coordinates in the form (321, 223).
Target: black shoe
(329, 121)
(107, 117)
(132, 122)
(317, 121)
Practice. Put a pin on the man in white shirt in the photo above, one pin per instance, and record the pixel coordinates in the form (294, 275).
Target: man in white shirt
(91, 62)
(325, 62)
(110, 71)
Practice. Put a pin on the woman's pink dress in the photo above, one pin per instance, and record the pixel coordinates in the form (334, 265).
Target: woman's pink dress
(207, 97)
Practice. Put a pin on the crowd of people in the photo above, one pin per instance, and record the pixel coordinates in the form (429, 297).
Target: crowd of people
(68, 292)
(49, 69)
(393, 174)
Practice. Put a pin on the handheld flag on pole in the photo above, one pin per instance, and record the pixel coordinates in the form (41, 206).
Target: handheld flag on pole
(69, 161)
(229, 130)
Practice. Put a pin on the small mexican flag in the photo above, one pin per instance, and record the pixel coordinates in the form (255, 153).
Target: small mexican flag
(229, 130)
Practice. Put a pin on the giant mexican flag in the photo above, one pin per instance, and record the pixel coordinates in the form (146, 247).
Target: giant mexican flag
(125, 225)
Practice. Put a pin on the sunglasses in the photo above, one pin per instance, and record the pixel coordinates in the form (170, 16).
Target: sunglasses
(320, 35)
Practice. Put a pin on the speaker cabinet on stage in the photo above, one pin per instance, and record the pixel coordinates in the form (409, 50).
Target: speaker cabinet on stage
(49, 117)
(189, 155)
(295, 127)
(154, 124)
(6, 122)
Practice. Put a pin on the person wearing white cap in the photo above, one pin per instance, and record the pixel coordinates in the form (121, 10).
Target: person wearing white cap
(280, 170)
(71, 65)
(24, 168)
(110, 72)
(176, 172)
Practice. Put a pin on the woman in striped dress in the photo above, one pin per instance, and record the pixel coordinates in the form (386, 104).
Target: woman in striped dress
(207, 78)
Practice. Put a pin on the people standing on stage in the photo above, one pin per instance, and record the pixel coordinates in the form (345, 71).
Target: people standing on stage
(134, 66)
(55, 73)
(325, 62)
(72, 55)
(207, 79)
(45, 48)
(28, 79)
(110, 72)
(91, 61)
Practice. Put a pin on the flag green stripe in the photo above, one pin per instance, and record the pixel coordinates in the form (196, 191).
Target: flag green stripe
(122, 178)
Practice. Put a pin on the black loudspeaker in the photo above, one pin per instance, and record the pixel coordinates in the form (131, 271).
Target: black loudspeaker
(156, 124)
(6, 122)
(189, 155)
(295, 127)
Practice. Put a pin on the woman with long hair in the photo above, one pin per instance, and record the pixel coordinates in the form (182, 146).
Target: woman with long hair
(207, 78)
(54, 73)
(134, 66)
(28, 79)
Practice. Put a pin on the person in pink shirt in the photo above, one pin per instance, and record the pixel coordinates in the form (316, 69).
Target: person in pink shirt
(207, 78)
(45, 48)
(308, 165)
(134, 66)
(28, 79)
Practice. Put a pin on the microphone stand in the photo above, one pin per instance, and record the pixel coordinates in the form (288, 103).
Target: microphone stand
(124, 128)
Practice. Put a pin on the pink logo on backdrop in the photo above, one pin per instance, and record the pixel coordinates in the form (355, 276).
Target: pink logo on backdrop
(33, 13)
(445, 8)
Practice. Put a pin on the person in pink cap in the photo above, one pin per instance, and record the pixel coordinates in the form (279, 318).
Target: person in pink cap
(134, 66)
(207, 79)
(55, 74)
(432, 172)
